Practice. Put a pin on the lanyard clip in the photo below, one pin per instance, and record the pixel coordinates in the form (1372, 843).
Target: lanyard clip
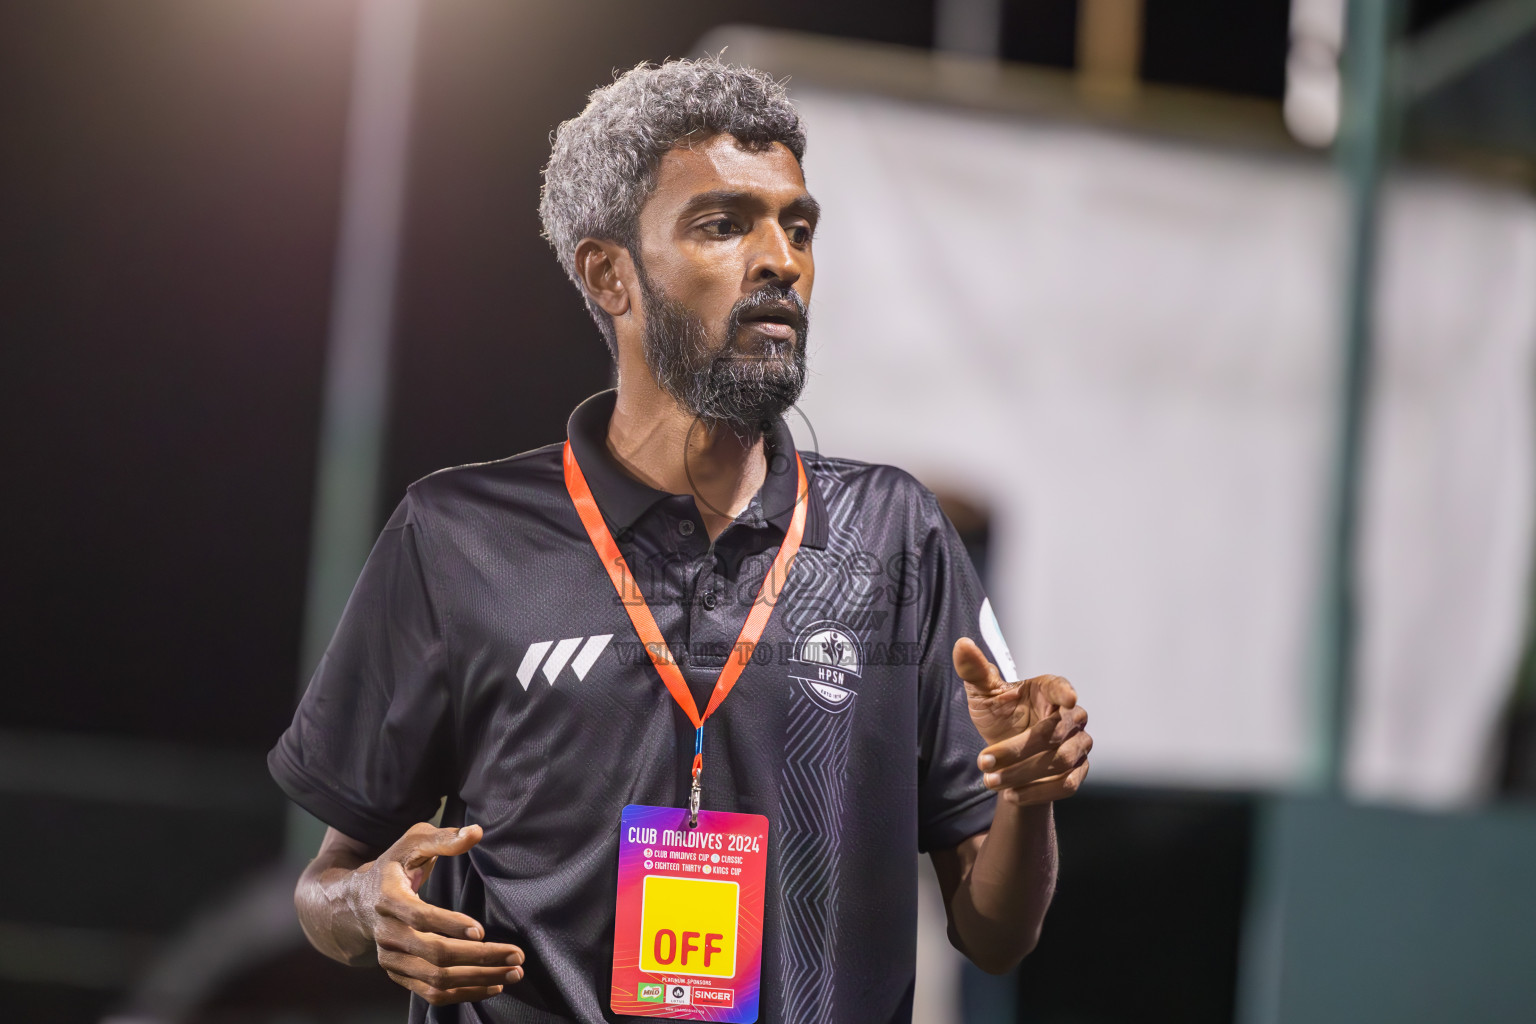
(698, 770)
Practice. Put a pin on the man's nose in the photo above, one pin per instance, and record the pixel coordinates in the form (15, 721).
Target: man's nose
(775, 258)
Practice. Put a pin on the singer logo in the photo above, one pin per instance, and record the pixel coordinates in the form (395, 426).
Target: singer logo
(591, 647)
(713, 997)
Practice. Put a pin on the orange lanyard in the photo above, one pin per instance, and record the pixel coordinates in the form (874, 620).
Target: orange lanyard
(645, 624)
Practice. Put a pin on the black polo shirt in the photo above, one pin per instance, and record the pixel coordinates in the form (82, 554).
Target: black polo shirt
(484, 656)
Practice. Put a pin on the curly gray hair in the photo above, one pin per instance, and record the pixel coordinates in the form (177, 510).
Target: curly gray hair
(603, 162)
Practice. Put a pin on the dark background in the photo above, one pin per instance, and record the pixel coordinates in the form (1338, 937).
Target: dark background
(169, 176)
(169, 188)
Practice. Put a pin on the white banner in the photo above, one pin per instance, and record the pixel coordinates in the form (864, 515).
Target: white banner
(1127, 349)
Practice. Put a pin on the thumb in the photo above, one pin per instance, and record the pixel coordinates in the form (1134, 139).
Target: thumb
(426, 845)
(975, 669)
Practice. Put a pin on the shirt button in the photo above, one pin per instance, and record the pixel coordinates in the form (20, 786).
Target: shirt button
(710, 600)
(685, 527)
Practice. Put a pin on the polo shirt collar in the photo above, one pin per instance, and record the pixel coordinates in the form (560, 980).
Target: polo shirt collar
(623, 499)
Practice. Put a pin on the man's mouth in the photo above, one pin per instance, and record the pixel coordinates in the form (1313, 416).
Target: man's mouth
(779, 321)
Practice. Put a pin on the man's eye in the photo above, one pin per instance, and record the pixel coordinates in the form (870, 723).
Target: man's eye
(800, 235)
(722, 226)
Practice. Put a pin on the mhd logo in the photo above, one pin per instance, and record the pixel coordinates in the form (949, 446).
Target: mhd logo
(651, 993)
(831, 661)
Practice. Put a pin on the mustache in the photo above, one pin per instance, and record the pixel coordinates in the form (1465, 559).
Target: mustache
(771, 303)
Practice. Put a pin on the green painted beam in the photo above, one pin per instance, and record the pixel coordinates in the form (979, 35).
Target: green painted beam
(356, 396)
(1362, 151)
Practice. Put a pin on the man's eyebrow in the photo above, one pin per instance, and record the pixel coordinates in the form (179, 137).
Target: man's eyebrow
(718, 197)
(802, 205)
(806, 206)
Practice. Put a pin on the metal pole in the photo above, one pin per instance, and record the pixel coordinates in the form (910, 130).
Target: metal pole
(1459, 43)
(1361, 152)
(355, 403)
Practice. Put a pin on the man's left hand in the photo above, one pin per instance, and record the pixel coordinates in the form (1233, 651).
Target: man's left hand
(1036, 732)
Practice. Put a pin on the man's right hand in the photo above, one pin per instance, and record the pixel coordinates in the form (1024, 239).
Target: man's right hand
(438, 954)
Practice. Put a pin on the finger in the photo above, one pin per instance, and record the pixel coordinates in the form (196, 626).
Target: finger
(438, 997)
(975, 669)
(1056, 690)
(1017, 748)
(1047, 764)
(398, 901)
(1041, 690)
(446, 978)
(1047, 790)
(1068, 722)
(444, 951)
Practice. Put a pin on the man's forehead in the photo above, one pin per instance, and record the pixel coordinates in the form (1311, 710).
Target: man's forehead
(722, 164)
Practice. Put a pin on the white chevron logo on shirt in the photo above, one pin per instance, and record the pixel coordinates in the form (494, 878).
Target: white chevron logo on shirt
(590, 649)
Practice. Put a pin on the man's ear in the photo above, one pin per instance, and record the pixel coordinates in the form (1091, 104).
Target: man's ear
(606, 271)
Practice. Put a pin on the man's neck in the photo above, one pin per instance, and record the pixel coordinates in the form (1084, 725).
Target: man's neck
(664, 446)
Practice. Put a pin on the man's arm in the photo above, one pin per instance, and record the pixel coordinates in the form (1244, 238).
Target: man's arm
(998, 885)
(360, 906)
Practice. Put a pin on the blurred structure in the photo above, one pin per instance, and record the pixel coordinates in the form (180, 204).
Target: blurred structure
(1313, 86)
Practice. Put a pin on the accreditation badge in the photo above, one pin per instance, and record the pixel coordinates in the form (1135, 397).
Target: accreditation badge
(688, 926)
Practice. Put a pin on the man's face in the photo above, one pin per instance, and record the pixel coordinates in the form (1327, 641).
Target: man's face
(726, 271)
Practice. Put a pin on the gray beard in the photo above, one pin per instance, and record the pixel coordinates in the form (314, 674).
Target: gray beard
(745, 387)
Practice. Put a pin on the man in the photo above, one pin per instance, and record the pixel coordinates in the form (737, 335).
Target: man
(531, 641)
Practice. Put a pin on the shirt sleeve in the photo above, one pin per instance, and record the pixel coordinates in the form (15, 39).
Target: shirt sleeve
(953, 804)
(368, 750)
